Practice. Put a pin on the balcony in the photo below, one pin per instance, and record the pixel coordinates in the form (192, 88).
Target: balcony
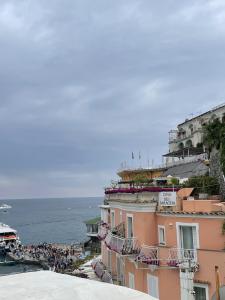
(103, 229)
(101, 271)
(182, 258)
(123, 246)
(148, 255)
(92, 227)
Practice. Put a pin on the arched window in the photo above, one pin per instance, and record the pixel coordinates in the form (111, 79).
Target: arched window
(188, 144)
(181, 146)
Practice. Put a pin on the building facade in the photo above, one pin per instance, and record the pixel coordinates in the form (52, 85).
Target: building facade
(163, 241)
(189, 134)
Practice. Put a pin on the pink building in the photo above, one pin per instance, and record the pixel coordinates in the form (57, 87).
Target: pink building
(163, 241)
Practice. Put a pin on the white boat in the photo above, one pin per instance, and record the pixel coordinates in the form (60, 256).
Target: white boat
(8, 238)
(5, 206)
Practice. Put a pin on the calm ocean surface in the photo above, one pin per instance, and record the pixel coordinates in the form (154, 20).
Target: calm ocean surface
(51, 220)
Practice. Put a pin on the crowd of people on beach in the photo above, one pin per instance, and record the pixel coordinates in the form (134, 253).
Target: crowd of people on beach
(57, 258)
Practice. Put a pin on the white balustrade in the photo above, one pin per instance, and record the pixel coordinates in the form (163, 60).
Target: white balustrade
(148, 255)
(123, 246)
(182, 257)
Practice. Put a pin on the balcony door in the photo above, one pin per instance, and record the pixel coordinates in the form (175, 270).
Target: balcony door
(130, 226)
(187, 241)
(153, 286)
(187, 236)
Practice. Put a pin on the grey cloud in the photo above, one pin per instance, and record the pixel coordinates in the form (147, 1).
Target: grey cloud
(85, 83)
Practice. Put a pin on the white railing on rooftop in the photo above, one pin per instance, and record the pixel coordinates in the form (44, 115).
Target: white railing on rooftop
(148, 255)
(187, 159)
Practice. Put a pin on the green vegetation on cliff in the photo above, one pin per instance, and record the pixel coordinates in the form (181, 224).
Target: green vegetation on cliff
(214, 138)
(203, 184)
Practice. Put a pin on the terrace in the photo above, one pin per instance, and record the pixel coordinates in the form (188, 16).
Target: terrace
(121, 245)
(134, 190)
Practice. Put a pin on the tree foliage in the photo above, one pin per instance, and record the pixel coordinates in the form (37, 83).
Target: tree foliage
(214, 137)
(203, 184)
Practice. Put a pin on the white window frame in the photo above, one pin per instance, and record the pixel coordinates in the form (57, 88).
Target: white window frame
(156, 279)
(112, 213)
(161, 227)
(203, 286)
(132, 217)
(196, 225)
(131, 278)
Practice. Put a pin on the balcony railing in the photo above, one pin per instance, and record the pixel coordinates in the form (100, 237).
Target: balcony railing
(102, 231)
(123, 246)
(148, 255)
(101, 272)
(182, 257)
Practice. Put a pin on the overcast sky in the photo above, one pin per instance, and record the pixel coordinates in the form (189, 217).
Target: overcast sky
(83, 83)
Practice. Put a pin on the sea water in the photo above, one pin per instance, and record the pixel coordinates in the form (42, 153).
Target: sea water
(48, 220)
(51, 220)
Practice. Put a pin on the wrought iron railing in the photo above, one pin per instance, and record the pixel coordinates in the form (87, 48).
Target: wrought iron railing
(148, 255)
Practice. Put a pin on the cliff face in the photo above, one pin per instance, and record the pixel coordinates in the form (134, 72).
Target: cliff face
(216, 170)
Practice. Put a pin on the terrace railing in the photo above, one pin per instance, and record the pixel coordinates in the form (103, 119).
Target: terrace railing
(182, 258)
(101, 272)
(148, 255)
(123, 246)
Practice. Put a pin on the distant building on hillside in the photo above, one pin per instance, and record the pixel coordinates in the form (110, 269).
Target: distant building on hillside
(186, 142)
(189, 134)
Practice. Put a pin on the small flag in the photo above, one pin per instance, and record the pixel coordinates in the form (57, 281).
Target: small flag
(132, 155)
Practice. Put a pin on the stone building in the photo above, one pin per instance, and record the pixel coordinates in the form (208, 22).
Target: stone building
(189, 134)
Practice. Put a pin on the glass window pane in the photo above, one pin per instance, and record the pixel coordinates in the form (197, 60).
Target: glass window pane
(187, 237)
(200, 293)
